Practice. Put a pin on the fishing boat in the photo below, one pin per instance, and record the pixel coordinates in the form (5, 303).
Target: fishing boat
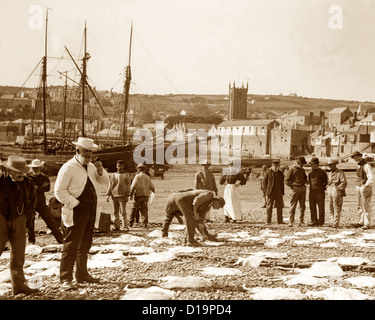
(56, 157)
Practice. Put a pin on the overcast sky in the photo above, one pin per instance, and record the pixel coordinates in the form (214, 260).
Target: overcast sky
(199, 46)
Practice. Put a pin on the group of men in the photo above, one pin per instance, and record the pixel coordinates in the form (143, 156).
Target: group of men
(321, 184)
(22, 189)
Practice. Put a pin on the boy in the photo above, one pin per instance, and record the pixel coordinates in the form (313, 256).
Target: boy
(118, 190)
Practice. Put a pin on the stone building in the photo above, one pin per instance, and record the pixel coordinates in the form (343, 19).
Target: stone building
(338, 116)
(253, 135)
(291, 141)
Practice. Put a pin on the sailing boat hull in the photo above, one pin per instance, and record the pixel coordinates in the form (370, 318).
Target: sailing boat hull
(55, 160)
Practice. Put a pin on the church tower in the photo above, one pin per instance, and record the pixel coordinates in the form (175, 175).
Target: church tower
(237, 102)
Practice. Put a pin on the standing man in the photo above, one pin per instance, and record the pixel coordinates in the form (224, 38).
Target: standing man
(17, 205)
(205, 180)
(364, 190)
(273, 186)
(193, 205)
(119, 190)
(296, 179)
(317, 180)
(42, 185)
(76, 187)
(336, 191)
(141, 189)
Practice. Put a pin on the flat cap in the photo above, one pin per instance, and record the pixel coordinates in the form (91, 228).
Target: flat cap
(332, 161)
(356, 153)
(314, 160)
(301, 159)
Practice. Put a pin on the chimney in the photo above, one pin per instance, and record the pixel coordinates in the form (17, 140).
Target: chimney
(355, 118)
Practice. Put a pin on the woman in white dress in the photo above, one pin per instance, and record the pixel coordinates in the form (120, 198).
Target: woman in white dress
(232, 208)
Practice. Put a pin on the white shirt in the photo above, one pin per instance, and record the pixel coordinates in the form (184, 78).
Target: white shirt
(369, 174)
(70, 183)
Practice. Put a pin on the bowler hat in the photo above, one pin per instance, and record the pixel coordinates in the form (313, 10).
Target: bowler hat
(86, 143)
(275, 160)
(314, 160)
(16, 163)
(301, 159)
(356, 153)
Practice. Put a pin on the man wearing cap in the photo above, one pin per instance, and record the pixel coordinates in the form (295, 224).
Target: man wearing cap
(336, 184)
(317, 180)
(119, 190)
(296, 179)
(193, 205)
(364, 190)
(17, 205)
(141, 188)
(205, 180)
(76, 187)
(42, 185)
(273, 185)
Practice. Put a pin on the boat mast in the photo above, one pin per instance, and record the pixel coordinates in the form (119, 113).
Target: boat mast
(44, 80)
(64, 114)
(128, 78)
(84, 82)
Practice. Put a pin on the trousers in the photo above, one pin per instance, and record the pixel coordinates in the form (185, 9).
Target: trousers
(49, 220)
(78, 241)
(140, 205)
(275, 199)
(335, 204)
(14, 230)
(298, 195)
(317, 202)
(364, 195)
(119, 207)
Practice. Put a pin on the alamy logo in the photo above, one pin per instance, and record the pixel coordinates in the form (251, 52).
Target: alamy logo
(335, 21)
(191, 147)
(36, 19)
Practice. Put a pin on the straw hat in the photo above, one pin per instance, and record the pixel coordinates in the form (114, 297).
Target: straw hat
(36, 163)
(15, 163)
(86, 143)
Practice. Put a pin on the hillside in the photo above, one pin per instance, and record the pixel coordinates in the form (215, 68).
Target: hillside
(261, 103)
(256, 103)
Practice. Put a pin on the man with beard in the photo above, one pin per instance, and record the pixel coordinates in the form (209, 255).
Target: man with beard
(17, 205)
(76, 187)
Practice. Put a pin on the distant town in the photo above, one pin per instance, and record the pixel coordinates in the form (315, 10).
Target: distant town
(269, 126)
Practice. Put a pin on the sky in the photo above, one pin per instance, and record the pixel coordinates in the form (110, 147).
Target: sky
(314, 48)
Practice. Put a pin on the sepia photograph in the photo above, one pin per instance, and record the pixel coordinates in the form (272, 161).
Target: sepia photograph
(191, 155)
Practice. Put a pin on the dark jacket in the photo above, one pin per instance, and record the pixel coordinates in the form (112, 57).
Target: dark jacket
(39, 180)
(296, 177)
(17, 198)
(233, 178)
(269, 181)
(318, 179)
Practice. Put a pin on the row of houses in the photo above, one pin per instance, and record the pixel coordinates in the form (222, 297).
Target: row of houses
(338, 134)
